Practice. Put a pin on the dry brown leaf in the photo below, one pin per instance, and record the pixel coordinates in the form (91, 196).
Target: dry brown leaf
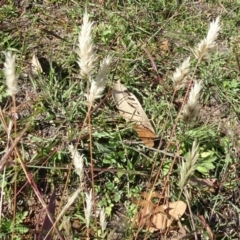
(164, 48)
(158, 217)
(130, 108)
(145, 134)
(145, 213)
(160, 222)
(36, 66)
(166, 214)
(148, 208)
(177, 209)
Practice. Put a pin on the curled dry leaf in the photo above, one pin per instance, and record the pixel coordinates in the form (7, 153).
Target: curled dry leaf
(36, 66)
(173, 211)
(130, 108)
(165, 47)
(147, 208)
(157, 217)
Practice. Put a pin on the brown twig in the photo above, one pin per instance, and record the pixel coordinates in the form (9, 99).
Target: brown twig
(4, 159)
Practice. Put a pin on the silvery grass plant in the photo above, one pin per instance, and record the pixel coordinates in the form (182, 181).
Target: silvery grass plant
(86, 61)
(181, 79)
(191, 108)
(12, 89)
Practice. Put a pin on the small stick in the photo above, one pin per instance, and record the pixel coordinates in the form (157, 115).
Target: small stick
(4, 159)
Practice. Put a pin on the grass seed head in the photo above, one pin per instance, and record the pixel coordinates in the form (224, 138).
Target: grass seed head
(86, 51)
(9, 71)
(102, 217)
(188, 167)
(77, 162)
(98, 85)
(208, 44)
(179, 77)
(70, 201)
(190, 110)
(88, 208)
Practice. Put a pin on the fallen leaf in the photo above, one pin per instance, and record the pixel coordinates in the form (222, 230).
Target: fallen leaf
(131, 109)
(165, 48)
(145, 213)
(36, 66)
(145, 134)
(148, 208)
(157, 217)
(177, 209)
(166, 214)
(160, 222)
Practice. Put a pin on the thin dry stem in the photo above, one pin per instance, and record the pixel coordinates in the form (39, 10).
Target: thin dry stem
(191, 214)
(2, 194)
(66, 207)
(28, 175)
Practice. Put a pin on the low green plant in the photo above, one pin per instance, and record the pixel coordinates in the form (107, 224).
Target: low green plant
(19, 227)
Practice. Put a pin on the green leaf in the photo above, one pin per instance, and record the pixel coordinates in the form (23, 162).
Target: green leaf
(202, 170)
(206, 154)
(21, 229)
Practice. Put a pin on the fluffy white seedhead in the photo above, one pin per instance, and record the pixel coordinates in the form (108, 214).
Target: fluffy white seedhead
(194, 93)
(179, 77)
(102, 219)
(98, 85)
(10, 74)
(208, 44)
(86, 52)
(88, 208)
(190, 110)
(213, 32)
(77, 162)
(189, 165)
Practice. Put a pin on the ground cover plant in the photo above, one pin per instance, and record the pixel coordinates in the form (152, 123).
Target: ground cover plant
(119, 119)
